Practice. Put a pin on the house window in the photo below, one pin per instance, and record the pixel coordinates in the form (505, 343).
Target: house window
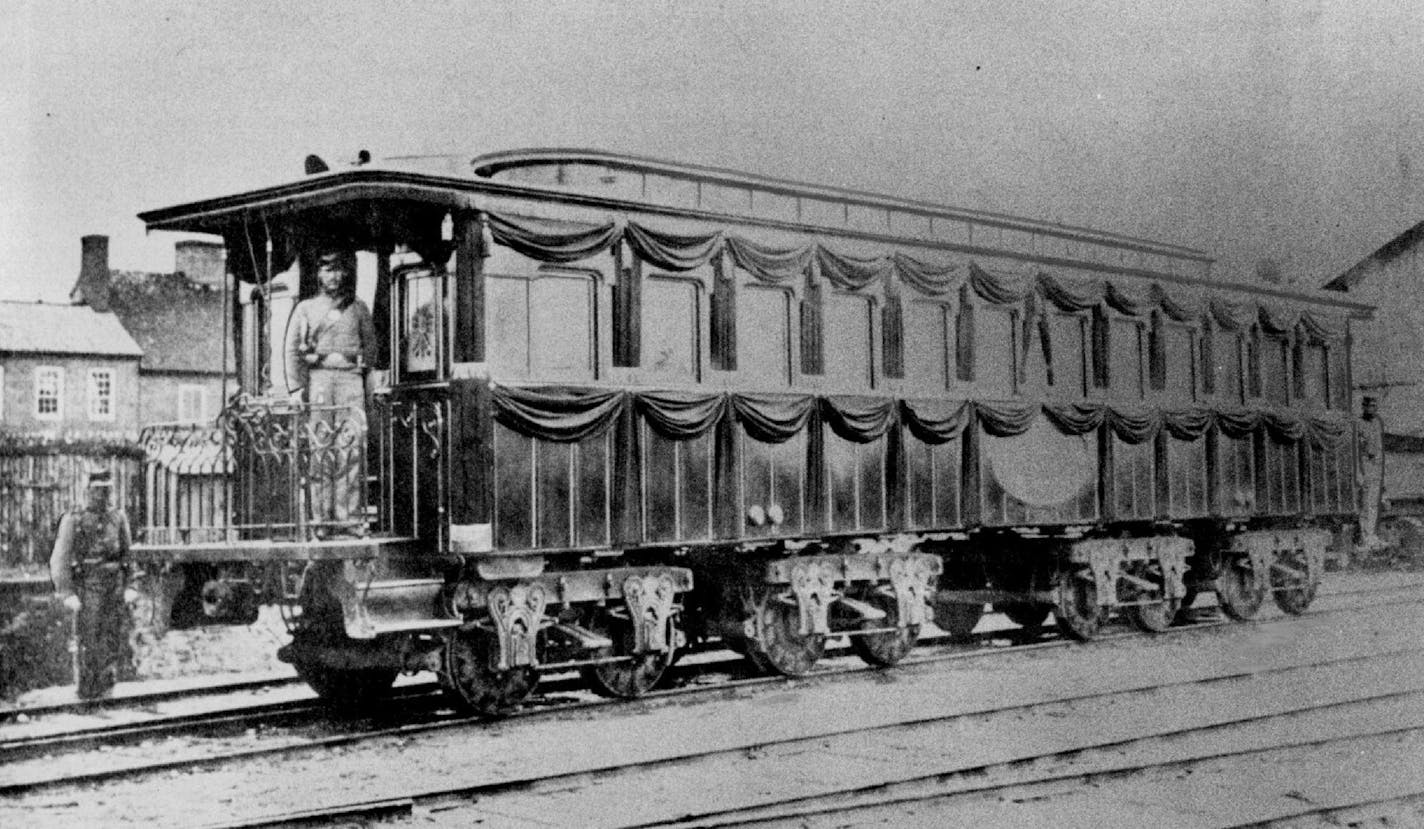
(101, 394)
(192, 404)
(49, 392)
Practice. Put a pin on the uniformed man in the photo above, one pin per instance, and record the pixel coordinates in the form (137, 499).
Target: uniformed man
(1369, 475)
(331, 344)
(90, 570)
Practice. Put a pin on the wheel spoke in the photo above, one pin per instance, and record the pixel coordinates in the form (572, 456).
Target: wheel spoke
(887, 647)
(470, 682)
(1239, 589)
(1078, 611)
(631, 678)
(782, 648)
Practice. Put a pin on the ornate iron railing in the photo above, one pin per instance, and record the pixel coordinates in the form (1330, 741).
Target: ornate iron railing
(267, 469)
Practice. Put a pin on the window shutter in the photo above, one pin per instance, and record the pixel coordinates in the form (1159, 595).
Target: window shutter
(813, 320)
(724, 316)
(892, 330)
(964, 337)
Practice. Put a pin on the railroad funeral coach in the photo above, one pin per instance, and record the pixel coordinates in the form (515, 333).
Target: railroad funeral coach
(623, 407)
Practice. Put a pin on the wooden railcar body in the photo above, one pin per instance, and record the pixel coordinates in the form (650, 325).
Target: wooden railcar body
(605, 368)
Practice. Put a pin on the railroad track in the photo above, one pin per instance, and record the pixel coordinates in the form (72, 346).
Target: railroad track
(1017, 775)
(425, 705)
(150, 698)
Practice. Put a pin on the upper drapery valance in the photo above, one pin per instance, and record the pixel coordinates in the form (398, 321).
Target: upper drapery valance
(566, 241)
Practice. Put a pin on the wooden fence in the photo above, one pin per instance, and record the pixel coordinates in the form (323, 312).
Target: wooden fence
(41, 479)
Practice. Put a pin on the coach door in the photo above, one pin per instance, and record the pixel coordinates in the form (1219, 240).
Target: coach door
(414, 416)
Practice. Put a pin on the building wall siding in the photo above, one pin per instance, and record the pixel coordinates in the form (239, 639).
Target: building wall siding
(19, 393)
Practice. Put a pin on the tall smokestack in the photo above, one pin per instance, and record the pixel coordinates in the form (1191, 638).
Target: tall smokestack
(92, 288)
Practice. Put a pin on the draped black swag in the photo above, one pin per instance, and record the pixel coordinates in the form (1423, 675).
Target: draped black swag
(573, 414)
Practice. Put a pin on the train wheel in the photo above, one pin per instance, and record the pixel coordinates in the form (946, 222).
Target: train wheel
(1239, 589)
(1184, 616)
(472, 685)
(355, 688)
(958, 620)
(1155, 617)
(783, 649)
(1078, 611)
(1030, 617)
(629, 679)
(1292, 593)
(884, 649)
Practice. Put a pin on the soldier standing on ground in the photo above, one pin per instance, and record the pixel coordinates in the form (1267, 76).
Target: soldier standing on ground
(330, 345)
(1369, 475)
(90, 570)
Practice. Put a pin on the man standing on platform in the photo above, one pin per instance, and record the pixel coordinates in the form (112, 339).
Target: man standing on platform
(330, 345)
(1370, 473)
(90, 570)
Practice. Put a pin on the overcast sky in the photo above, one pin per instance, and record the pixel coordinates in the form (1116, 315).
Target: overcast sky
(1254, 130)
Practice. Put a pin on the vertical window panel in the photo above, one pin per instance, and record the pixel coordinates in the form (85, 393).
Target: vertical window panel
(552, 470)
(671, 328)
(788, 486)
(1227, 353)
(421, 323)
(1275, 371)
(764, 335)
(592, 494)
(842, 481)
(927, 340)
(660, 486)
(561, 325)
(772, 480)
(1179, 361)
(933, 483)
(1236, 476)
(848, 340)
(1125, 362)
(870, 457)
(1134, 479)
(1314, 381)
(1067, 335)
(994, 344)
(1186, 467)
(695, 490)
(507, 323)
(513, 489)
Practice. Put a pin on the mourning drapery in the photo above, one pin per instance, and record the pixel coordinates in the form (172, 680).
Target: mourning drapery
(572, 414)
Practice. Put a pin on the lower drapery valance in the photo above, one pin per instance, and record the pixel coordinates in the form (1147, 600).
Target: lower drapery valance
(566, 414)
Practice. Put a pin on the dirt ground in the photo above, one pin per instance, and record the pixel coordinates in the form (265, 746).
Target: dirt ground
(575, 742)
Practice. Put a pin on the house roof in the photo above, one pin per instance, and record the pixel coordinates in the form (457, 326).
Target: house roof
(42, 328)
(177, 322)
(1392, 249)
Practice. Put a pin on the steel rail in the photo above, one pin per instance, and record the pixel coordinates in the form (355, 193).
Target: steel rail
(174, 725)
(275, 681)
(456, 797)
(877, 796)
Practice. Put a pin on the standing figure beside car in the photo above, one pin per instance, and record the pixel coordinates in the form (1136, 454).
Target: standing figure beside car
(90, 570)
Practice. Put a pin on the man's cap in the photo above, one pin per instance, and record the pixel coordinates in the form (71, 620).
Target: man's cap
(1367, 399)
(101, 477)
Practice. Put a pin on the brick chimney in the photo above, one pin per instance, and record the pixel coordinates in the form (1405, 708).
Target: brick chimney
(204, 263)
(92, 287)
